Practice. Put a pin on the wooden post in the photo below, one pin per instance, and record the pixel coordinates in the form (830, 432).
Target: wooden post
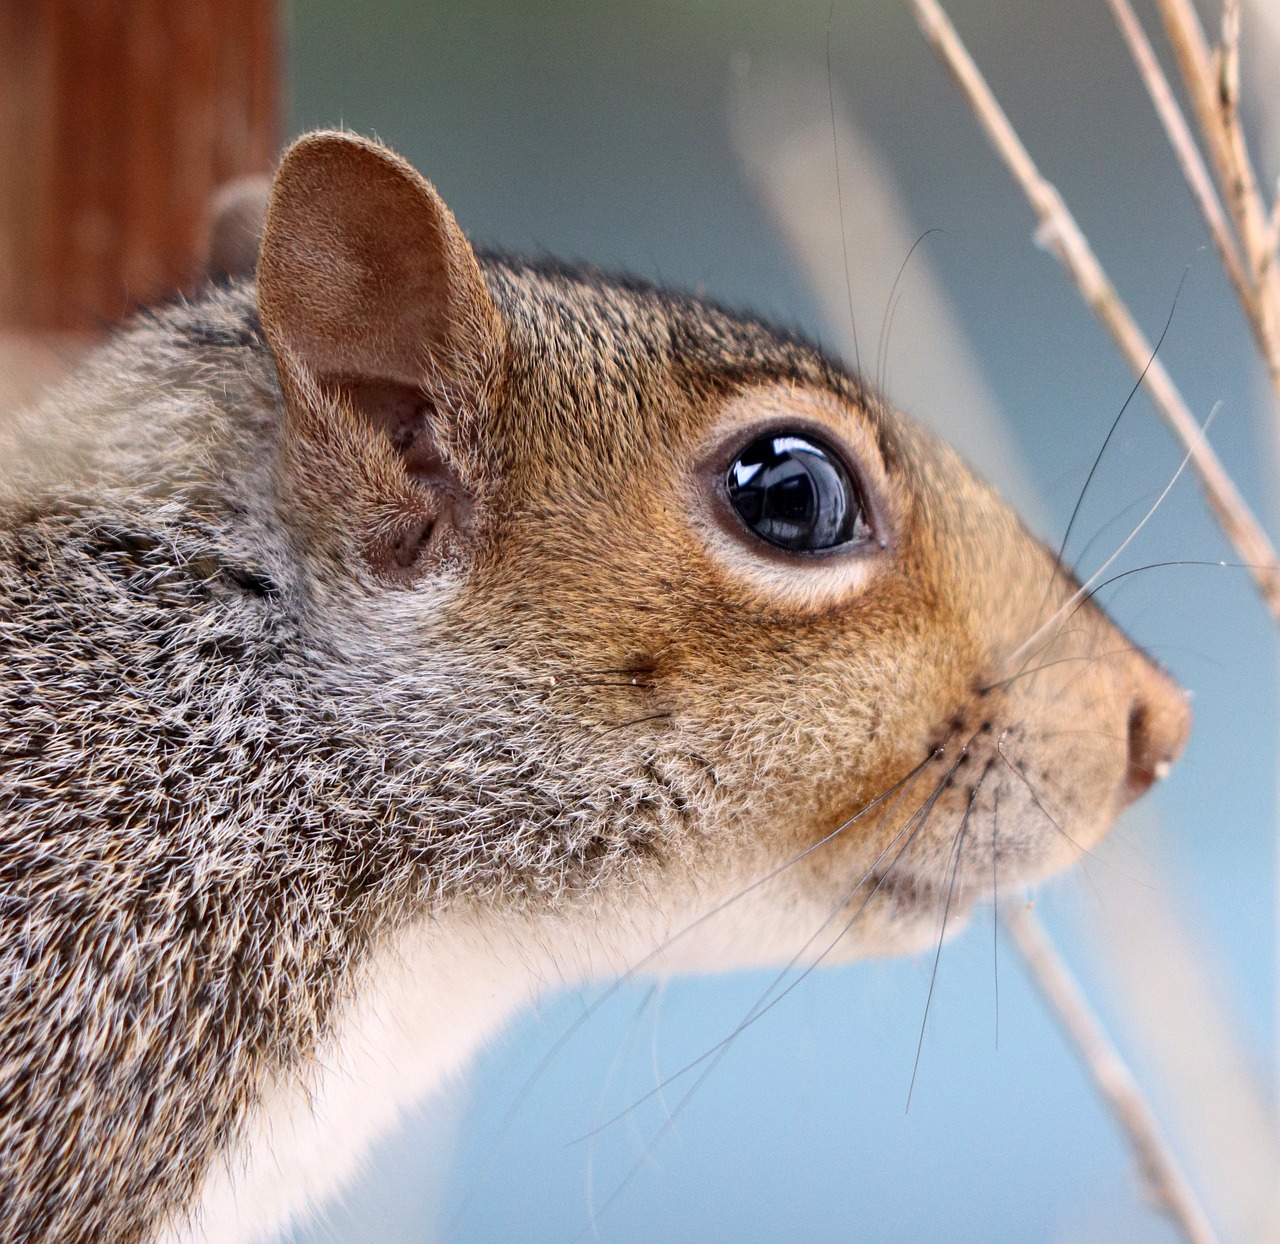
(118, 121)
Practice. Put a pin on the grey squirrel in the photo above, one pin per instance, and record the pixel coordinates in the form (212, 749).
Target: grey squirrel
(389, 634)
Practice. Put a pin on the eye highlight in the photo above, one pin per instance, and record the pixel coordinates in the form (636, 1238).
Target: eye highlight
(795, 493)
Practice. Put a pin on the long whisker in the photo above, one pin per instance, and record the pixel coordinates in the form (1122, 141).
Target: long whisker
(721, 1048)
(1106, 440)
(657, 1071)
(1081, 592)
(1081, 600)
(1026, 671)
(623, 1049)
(766, 1002)
(1120, 515)
(1086, 658)
(597, 1003)
(995, 910)
(957, 852)
(1035, 798)
(835, 159)
(1115, 423)
(1084, 853)
(1182, 561)
(891, 310)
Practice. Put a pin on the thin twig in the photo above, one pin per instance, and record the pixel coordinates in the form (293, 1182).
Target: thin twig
(1229, 54)
(1183, 142)
(1168, 1186)
(1213, 83)
(1063, 235)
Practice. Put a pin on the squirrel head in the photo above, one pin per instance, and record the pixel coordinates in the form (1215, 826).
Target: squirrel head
(776, 627)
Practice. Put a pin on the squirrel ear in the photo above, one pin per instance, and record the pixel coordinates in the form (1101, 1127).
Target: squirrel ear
(364, 273)
(380, 323)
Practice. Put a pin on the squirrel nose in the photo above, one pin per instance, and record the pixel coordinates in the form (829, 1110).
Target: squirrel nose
(1159, 722)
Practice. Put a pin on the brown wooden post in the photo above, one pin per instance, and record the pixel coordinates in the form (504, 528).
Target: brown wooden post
(118, 121)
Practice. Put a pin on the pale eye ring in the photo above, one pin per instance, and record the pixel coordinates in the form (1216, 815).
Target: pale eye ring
(795, 493)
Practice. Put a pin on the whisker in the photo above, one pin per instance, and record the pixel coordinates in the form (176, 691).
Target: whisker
(835, 159)
(1181, 561)
(761, 1007)
(1115, 423)
(1082, 592)
(657, 1071)
(1083, 853)
(758, 1011)
(593, 1007)
(914, 824)
(623, 1050)
(1080, 600)
(1088, 658)
(957, 852)
(1035, 798)
(891, 307)
(1123, 513)
(995, 910)
(1111, 431)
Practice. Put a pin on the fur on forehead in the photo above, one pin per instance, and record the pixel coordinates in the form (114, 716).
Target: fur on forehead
(613, 364)
(472, 367)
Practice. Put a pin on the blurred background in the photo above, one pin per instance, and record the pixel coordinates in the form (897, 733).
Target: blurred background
(697, 143)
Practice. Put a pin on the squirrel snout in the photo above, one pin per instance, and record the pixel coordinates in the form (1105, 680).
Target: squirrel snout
(1158, 725)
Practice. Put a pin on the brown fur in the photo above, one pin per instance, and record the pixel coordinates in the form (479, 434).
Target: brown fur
(404, 583)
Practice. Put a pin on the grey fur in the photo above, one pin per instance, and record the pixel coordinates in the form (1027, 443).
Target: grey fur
(223, 775)
(235, 759)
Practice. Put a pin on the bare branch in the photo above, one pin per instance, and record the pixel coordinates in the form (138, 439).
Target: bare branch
(1183, 142)
(1229, 55)
(1059, 230)
(1168, 1185)
(1212, 80)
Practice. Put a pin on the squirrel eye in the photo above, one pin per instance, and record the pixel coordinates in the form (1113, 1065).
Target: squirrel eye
(793, 491)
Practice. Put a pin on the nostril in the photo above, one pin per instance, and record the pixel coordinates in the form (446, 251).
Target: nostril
(1143, 768)
(1159, 721)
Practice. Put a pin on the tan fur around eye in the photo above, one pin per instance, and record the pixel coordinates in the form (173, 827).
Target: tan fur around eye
(774, 579)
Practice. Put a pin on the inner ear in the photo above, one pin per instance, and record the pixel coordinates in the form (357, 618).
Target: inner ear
(388, 345)
(365, 274)
(407, 417)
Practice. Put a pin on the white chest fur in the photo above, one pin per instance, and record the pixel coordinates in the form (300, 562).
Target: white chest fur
(431, 997)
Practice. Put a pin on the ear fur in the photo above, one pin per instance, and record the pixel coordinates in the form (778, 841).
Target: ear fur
(388, 346)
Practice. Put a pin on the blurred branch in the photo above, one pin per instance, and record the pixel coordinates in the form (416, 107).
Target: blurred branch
(1188, 153)
(1212, 78)
(1058, 228)
(1229, 1133)
(1168, 1186)
(1162, 970)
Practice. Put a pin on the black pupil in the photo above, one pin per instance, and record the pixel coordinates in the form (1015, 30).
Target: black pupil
(795, 493)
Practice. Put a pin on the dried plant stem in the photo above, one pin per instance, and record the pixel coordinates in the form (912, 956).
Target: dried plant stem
(1164, 1178)
(1212, 80)
(1188, 153)
(1063, 235)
